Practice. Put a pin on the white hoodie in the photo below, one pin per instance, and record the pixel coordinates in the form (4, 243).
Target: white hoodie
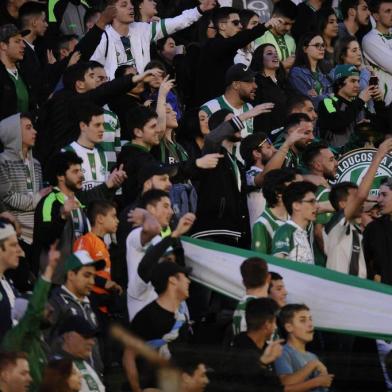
(112, 54)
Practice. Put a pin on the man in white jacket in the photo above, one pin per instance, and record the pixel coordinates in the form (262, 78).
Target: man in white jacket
(377, 46)
(128, 42)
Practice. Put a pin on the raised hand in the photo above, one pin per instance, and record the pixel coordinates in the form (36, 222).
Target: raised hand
(50, 57)
(166, 85)
(208, 161)
(207, 5)
(184, 224)
(116, 177)
(74, 58)
(272, 352)
(147, 75)
(274, 23)
(53, 261)
(385, 147)
(107, 16)
(69, 205)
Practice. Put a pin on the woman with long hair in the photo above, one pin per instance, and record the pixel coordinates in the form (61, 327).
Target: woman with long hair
(306, 76)
(61, 376)
(272, 86)
(348, 51)
(145, 10)
(327, 26)
(249, 19)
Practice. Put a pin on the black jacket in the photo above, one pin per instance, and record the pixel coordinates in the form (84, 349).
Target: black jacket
(8, 98)
(133, 157)
(216, 57)
(57, 125)
(277, 93)
(222, 210)
(377, 244)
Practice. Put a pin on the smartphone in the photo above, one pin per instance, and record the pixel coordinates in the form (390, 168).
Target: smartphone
(373, 81)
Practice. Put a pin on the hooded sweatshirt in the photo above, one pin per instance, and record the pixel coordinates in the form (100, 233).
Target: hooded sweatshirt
(20, 179)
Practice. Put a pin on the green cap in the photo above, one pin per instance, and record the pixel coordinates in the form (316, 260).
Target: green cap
(80, 259)
(344, 71)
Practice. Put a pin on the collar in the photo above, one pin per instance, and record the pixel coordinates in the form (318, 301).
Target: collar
(85, 300)
(139, 147)
(292, 223)
(29, 44)
(268, 211)
(115, 34)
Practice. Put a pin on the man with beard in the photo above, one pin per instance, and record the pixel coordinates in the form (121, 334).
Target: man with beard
(297, 122)
(320, 161)
(240, 89)
(356, 16)
(60, 215)
(32, 317)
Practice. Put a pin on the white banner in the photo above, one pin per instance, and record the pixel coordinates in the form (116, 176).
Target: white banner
(339, 302)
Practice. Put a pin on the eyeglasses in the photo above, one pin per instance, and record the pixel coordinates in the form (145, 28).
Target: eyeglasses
(266, 140)
(318, 46)
(311, 201)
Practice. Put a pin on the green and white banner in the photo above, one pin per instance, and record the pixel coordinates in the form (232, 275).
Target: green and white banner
(339, 302)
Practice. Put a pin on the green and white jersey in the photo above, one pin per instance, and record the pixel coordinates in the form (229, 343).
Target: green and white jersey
(239, 321)
(255, 197)
(285, 45)
(111, 143)
(94, 164)
(219, 103)
(264, 230)
(90, 380)
(291, 241)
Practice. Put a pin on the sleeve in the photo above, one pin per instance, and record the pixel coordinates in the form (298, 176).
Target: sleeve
(282, 243)
(100, 49)
(377, 52)
(15, 200)
(151, 258)
(334, 119)
(261, 240)
(29, 325)
(165, 27)
(283, 364)
(212, 141)
(134, 240)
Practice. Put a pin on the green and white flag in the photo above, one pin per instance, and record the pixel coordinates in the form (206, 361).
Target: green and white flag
(339, 302)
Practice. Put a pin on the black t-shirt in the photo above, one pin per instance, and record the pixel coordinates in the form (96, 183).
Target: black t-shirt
(155, 325)
(243, 372)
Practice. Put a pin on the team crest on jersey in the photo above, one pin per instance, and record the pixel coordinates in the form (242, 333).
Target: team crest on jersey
(353, 166)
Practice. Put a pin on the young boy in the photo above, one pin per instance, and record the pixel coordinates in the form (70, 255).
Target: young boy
(103, 219)
(255, 277)
(296, 366)
(277, 289)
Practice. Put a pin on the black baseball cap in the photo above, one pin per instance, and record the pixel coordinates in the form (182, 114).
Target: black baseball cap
(10, 30)
(79, 325)
(239, 73)
(250, 143)
(164, 270)
(155, 169)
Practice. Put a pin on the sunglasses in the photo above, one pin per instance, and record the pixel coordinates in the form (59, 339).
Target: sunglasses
(235, 22)
(266, 140)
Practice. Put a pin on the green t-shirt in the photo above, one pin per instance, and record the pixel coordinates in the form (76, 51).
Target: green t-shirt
(293, 242)
(264, 230)
(22, 94)
(239, 321)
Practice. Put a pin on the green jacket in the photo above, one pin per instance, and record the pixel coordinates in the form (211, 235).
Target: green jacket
(27, 335)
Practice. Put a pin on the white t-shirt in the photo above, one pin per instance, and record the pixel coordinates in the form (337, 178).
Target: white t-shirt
(256, 200)
(139, 293)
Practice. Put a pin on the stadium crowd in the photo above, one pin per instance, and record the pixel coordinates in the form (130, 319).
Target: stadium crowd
(125, 125)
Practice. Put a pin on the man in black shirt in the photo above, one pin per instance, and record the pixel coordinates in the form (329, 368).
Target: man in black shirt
(377, 238)
(249, 367)
(163, 323)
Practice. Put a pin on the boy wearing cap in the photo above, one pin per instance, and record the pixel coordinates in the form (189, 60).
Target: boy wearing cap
(78, 342)
(163, 323)
(339, 114)
(10, 251)
(15, 95)
(72, 297)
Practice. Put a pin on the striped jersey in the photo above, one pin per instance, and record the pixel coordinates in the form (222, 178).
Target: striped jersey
(94, 164)
(293, 242)
(219, 103)
(264, 230)
(239, 321)
(111, 143)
